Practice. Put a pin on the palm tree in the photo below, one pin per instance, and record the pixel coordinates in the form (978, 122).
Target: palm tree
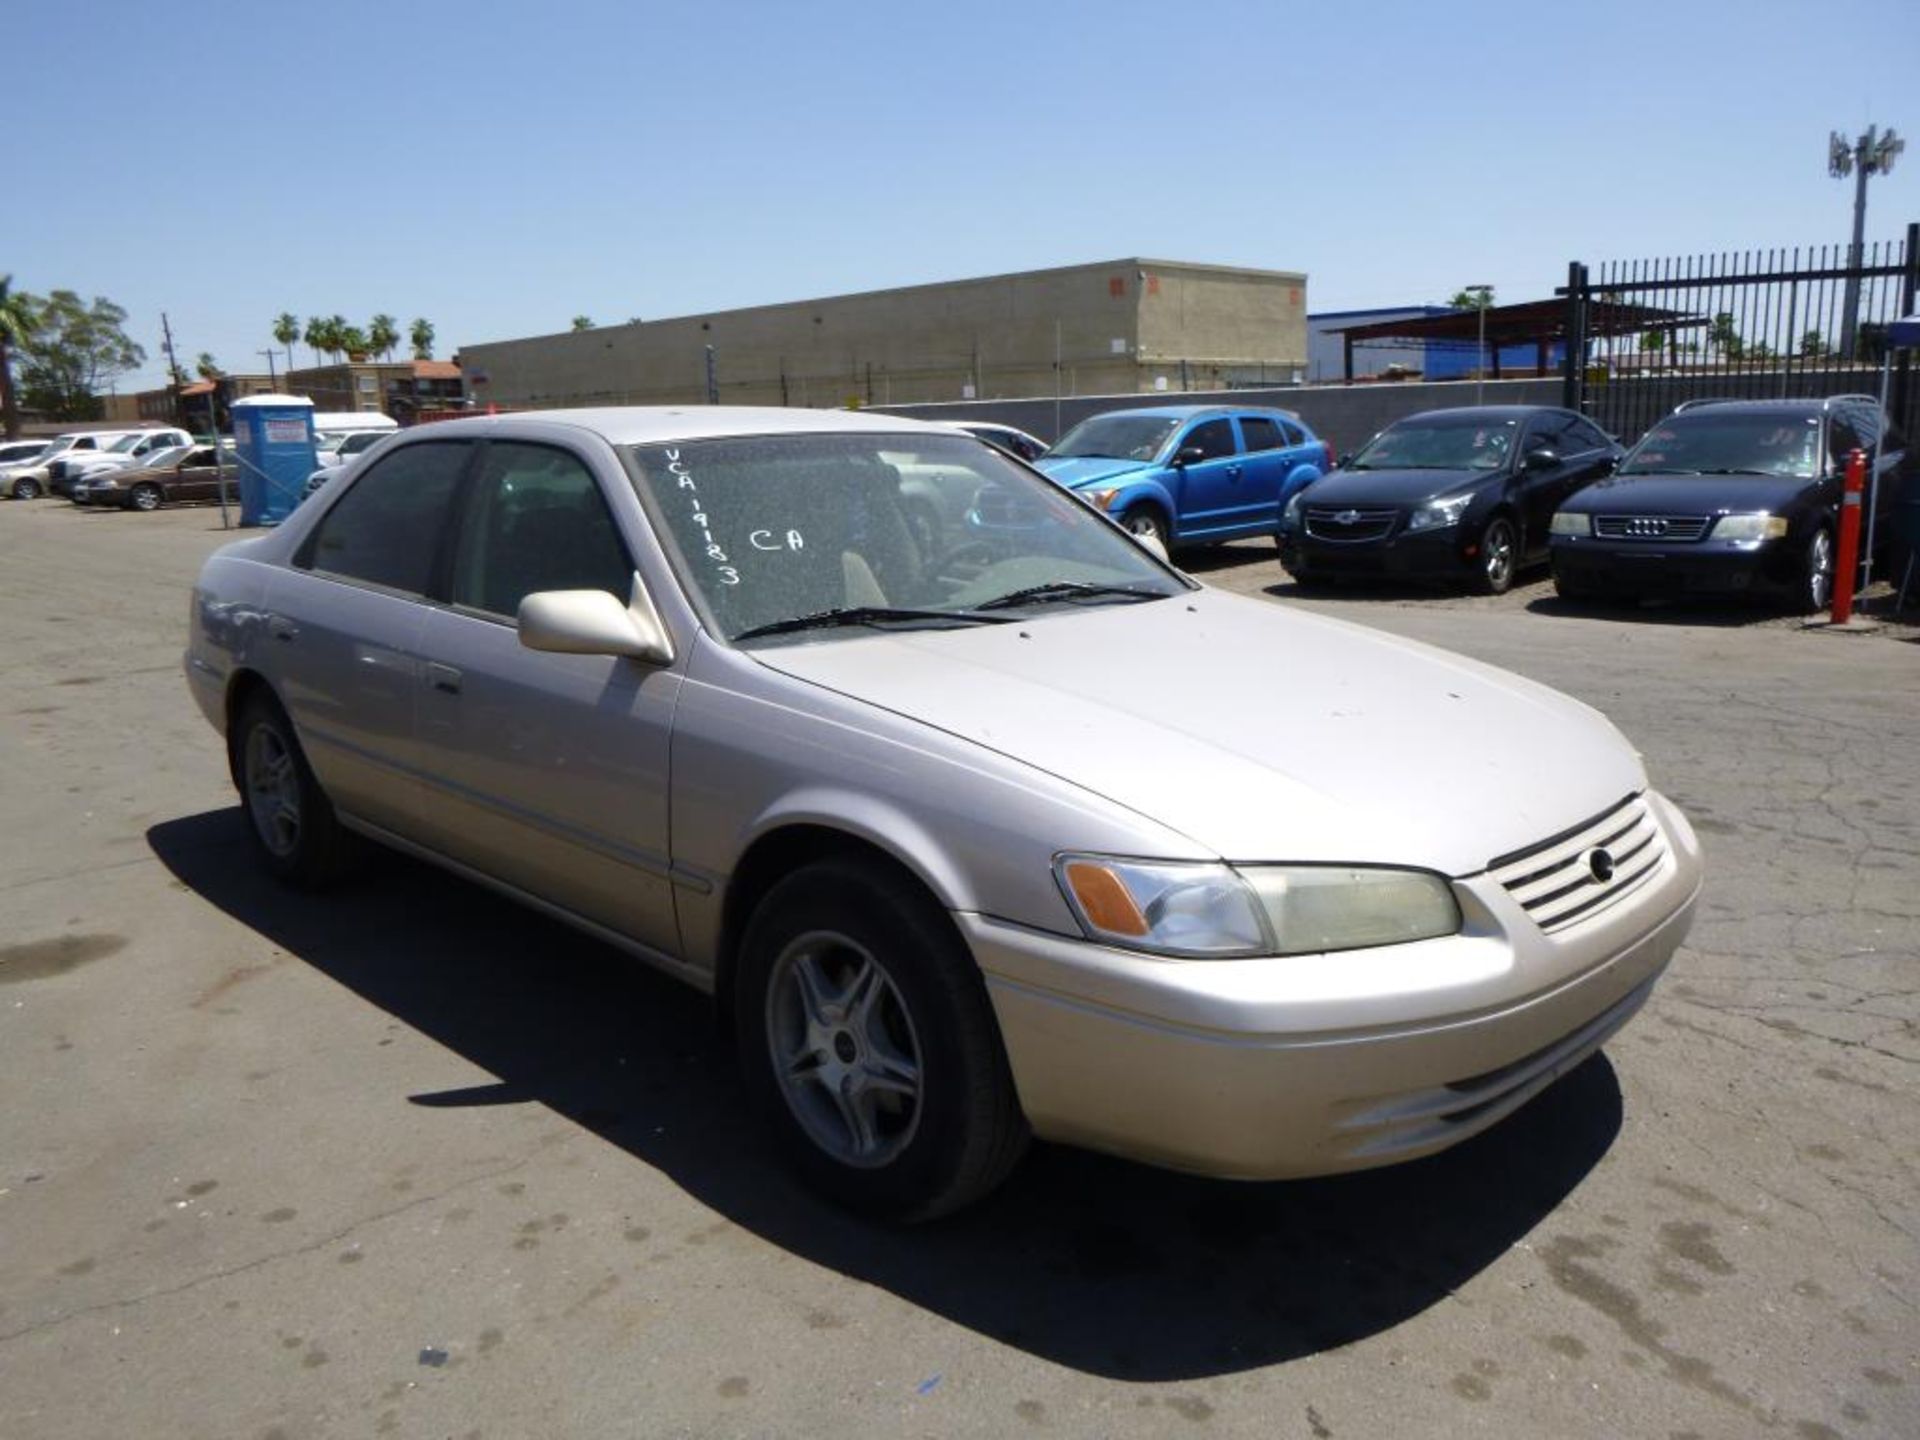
(19, 316)
(383, 333)
(316, 336)
(422, 337)
(286, 330)
(583, 322)
(337, 327)
(207, 367)
(354, 341)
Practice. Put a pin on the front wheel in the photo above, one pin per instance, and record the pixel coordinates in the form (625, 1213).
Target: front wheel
(869, 1044)
(26, 488)
(144, 497)
(1145, 522)
(1499, 556)
(1816, 580)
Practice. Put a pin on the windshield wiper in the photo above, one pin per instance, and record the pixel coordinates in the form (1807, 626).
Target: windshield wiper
(1736, 470)
(864, 615)
(1065, 590)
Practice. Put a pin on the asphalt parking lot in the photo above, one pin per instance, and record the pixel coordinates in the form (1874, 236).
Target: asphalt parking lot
(406, 1160)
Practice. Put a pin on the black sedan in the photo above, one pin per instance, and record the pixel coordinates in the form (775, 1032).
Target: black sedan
(1463, 496)
(1729, 497)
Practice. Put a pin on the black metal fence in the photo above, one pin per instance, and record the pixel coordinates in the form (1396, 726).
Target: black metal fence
(1742, 325)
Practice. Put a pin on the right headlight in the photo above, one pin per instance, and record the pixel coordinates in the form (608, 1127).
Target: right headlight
(1213, 911)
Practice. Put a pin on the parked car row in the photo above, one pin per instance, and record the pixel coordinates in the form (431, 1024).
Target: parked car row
(1721, 497)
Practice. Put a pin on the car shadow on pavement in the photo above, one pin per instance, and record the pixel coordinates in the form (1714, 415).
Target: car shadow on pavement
(1106, 1267)
(1703, 612)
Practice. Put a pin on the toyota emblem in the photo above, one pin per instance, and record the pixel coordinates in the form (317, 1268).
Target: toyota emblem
(1600, 865)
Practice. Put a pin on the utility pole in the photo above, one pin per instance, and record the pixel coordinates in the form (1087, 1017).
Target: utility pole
(1871, 154)
(173, 366)
(272, 382)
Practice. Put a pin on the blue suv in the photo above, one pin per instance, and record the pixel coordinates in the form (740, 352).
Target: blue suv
(1189, 474)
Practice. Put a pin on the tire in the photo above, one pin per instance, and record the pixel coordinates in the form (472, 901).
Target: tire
(144, 497)
(869, 1046)
(1815, 592)
(1145, 520)
(26, 488)
(1499, 556)
(294, 831)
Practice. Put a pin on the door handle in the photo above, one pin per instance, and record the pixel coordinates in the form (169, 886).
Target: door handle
(281, 628)
(443, 678)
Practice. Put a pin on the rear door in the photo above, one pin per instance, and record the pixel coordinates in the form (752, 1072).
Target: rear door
(345, 624)
(1269, 452)
(546, 771)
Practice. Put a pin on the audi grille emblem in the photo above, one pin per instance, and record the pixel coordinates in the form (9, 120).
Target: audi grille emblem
(1347, 517)
(1652, 526)
(1600, 863)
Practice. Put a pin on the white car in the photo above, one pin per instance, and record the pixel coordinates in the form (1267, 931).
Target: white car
(28, 478)
(129, 450)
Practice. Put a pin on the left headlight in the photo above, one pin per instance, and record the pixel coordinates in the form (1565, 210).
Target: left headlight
(1099, 499)
(1439, 514)
(1209, 911)
(1750, 527)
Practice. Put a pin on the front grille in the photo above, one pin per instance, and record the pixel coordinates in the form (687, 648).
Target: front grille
(1349, 524)
(1651, 527)
(1584, 872)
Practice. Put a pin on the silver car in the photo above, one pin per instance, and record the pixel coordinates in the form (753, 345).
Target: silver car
(1009, 829)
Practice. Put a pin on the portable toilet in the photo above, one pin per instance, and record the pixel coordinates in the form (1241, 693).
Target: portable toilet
(273, 440)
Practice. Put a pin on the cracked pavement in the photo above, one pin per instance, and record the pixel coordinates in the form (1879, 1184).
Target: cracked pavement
(410, 1161)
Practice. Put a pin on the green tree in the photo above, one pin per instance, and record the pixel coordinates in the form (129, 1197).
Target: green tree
(19, 318)
(383, 333)
(319, 336)
(354, 341)
(206, 367)
(1653, 342)
(1813, 345)
(1472, 299)
(286, 330)
(583, 322)
(77, 346)
(337, 328)
(1723, 337)
(421, 334)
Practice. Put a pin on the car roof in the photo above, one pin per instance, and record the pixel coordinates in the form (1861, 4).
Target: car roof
(1189, 412)
(1492, 412)
(1778, 405)
(648, 424)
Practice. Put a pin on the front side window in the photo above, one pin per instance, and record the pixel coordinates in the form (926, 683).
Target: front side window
(937, 529)
(386, 529)
(535, 520)
(1212, 438)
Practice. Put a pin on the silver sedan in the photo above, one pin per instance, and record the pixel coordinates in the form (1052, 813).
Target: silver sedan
(979, 828)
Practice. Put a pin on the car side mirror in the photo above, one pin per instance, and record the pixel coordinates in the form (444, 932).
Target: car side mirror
(1346, 459)
(593, 622)
(1542, 460)
(1189, 454)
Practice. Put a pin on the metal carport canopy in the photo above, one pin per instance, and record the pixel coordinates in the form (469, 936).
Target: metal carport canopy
(1539, 323)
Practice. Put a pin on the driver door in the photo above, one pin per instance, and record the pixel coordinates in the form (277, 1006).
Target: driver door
(1211, 489)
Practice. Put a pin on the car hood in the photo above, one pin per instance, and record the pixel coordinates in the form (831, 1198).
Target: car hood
(1080, 470)
(1258, 731)
(1687, 494)
(1392, 487)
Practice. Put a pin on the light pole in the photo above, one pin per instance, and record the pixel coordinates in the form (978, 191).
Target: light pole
(1871, 154)
(272, 382)
(1482, 294)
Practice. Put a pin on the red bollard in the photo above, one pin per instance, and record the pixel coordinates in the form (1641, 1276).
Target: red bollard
(1846, 564)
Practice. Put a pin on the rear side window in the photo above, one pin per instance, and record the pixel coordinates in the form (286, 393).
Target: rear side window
(1213, 437)
(1261, 433)
(1582, 437)
(386, 529)
(536, 521)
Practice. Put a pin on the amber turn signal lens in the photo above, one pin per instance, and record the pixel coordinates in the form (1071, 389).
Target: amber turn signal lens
(1104, 899)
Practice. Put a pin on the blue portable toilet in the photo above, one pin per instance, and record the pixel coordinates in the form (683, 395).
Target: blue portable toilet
(273, 438)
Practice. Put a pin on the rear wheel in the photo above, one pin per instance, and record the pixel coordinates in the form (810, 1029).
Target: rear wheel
(869, 1044)
(1499, 556)
(26, 488)
(289, 818)
(144, 497)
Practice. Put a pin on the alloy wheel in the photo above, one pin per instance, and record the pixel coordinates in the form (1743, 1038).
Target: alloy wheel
(1819, 571)
(273, 790)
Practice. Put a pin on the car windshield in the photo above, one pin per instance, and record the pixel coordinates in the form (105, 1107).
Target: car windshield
(172, 455)
(124, 444)
(1115, 437)
(1704, 442)
(879, 529)
(1439, 443)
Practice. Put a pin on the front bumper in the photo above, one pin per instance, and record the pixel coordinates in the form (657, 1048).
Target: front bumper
(1312, 1065)
(1703, 567)
(1422, 554)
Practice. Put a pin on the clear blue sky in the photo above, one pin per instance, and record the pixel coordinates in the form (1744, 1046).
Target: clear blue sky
(502, 169)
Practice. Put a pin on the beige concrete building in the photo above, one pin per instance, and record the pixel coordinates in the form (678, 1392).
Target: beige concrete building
(1117, 327)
